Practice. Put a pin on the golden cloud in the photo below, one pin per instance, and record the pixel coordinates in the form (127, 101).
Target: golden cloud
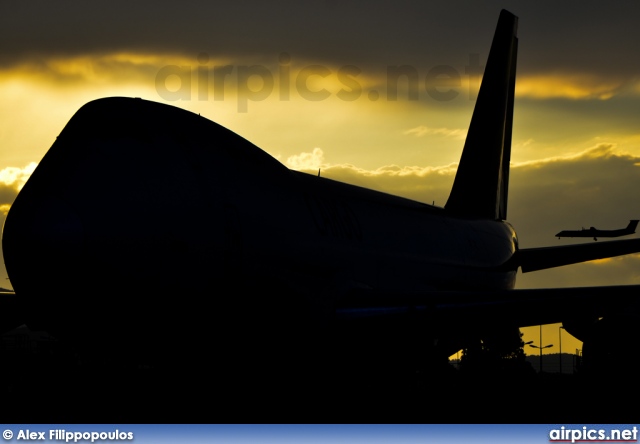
(307, 161)
(422, 130)
(585, 178)
(601, 150)
(16, 177)
(568, 86)
(101, 69)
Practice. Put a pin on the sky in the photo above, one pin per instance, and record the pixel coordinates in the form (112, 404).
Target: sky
(317, 85)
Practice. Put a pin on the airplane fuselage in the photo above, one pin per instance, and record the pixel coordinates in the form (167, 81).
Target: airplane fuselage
(404, 244)
(152, 201)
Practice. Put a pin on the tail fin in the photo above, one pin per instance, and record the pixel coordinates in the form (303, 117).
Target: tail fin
(480, 189)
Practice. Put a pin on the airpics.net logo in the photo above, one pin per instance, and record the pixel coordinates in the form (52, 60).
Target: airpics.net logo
(255, 83)
(586, 434)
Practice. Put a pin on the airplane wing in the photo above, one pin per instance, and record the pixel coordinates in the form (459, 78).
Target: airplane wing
(533, 259)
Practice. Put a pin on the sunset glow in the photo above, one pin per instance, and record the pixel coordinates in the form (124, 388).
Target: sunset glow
(576, 140)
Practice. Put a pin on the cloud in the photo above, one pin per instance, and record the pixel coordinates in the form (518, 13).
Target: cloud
(597, 186)
(422, 130)
(94, 68)
(414, 182)
(307, 161)
(16, 177)
(601, 150)
(571, 86)
(12, 179)
(591, 38)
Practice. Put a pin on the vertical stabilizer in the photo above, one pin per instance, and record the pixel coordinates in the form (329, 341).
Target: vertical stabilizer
(480, 189)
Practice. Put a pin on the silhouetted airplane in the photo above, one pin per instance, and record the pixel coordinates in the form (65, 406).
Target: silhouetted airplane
(224, 253)
(595, 233)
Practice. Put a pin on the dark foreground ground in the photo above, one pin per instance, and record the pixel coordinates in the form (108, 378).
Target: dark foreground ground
(52, 390)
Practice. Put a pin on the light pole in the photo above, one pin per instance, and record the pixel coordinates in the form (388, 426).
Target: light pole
(540, 348)
(535, 346)
(560, 345)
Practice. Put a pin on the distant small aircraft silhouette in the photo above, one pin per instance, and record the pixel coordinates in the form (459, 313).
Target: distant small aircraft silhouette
(595, 233)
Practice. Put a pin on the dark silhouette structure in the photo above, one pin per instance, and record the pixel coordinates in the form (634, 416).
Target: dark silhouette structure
(244, 277)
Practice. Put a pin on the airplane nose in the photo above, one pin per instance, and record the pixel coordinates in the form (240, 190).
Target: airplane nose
(120, 235)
